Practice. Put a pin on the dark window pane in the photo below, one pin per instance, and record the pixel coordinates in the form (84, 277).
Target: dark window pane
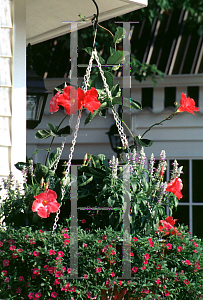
(181, 214)
(198, 221)
(147, 97)
(184, 177)
(193, 92)
(197, 180)
(169, 96)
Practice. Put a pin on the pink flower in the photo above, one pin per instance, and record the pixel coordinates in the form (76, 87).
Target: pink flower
(187, 104)
(1, 244)
(146, 256)
(196, 244)
(145, 262)
(20, 250)
(36, 271)
(187, 262)
(120, 283)
(36, 253)
(112, 261)
(134, 269)
(69, 270)
(186, 281)
(64, 230)
(60, 254)
(21, 278)
(57, 281)
(45, 204)
(12, 247)
(4, 273)
(104, 237)
(66, 236)
(53, 294)
(18, 290)
(180, 249)
(5, 262)
(134, 239)
(132, 254)
(38, 295)
(6, 279)
(112, 274)
(175, 187)
(66, 242)
(158, 281)
(33, 241)
(169, 246)
(86, 276)
(98, 270)
(31, 295)
(158, 267)
(52, 252)
(113, 252)
(166, 293)
(143, 268)
(85, 245)
(195, 251)
(83, 221)
(11, 242)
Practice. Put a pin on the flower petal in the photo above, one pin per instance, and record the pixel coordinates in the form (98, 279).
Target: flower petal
(43, 212)
(53, 207)
(36, 205)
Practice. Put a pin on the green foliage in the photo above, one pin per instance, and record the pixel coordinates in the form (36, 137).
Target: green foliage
(42, 259)
(54, 132)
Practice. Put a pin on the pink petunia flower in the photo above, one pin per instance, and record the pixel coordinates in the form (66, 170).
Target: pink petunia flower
(5, 262)
(52, 252)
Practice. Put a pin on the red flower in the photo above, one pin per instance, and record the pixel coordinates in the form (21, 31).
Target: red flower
(5, 262)
(187, 104)
(71, 99)
(180, 249)
(175, 187)
(134, 269)
(45, 204)
(186, 281)
(38, 295)
(21, 278)
(52, 252)
(53, 107)
(134, 239)
(158, 267)
(90, 101)
(4, 273)
(36, 253)
(83, 221)
(166, 225)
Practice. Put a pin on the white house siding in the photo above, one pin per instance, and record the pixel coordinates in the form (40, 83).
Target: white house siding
(12, 85)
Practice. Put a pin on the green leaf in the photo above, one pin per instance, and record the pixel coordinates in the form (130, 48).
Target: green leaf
(146, 142)
(64, 131)
(89, 51)
(43, 134)
(120, 31)
(97, 83)
(117, 57)
(21, 165)
(96, 162)
(51, 127)
(112, 51)
(87, 181)
(116, 90)
(91, 116)
(109, 79)
(53, 157)
(104, 160)
(127, 102)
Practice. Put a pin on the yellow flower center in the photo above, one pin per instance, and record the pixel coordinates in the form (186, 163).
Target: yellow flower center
(44, 202)
(72, 100)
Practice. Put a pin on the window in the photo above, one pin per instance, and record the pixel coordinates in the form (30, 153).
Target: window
(147, 97)
(169, 96)
(190, 209)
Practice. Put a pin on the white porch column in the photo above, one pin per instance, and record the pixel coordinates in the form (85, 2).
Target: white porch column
(12, 85)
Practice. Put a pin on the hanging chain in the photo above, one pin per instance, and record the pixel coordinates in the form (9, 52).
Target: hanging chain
(115, 114)
(67, 171)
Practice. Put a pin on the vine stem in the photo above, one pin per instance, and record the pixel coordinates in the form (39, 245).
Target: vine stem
(156, 124)
(53, 140)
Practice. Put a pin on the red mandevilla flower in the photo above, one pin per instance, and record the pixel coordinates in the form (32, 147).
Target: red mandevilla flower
(166, 225)
(45, 204)
(90, 101)
(187, 104)
(53, 107)
(175, 187)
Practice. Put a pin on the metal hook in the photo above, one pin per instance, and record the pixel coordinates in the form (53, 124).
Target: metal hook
(94, 22)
